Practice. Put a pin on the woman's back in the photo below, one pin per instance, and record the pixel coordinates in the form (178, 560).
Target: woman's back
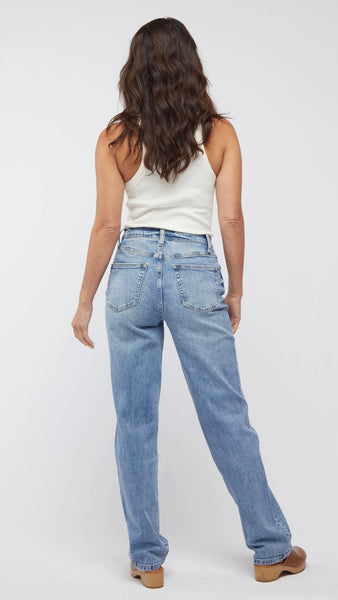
(185, 204)
(182, 204)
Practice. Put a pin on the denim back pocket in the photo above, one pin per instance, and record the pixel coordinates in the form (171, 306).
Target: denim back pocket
(200, 287)
(124, 285)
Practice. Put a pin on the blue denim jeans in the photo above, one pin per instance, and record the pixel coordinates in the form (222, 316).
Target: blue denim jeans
(161, 275)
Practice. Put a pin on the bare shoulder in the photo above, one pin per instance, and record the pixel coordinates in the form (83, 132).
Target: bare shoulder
(105, 137)
(224, 133)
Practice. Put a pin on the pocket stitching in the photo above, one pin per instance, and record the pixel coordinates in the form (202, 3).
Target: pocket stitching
(143, 268)
(177, 267)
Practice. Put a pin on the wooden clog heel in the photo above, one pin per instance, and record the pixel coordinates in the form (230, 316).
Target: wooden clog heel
(151, 579)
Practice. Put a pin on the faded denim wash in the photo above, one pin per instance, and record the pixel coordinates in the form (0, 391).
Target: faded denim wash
(160, 275)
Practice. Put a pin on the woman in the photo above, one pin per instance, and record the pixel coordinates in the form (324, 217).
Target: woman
(170, 150)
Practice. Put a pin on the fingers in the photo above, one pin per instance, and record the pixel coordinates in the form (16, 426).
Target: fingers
(234, 324)
(81, 333)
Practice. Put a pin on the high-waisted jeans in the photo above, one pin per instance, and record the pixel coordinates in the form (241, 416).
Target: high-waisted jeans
(161, 275)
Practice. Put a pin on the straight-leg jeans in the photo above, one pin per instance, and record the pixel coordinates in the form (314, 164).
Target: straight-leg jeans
(161, 275)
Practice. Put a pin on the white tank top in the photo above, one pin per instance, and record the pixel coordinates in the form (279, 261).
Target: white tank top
(185, 205)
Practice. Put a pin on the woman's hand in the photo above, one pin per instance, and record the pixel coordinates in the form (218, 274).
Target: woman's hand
(80, 324)
(234, 310)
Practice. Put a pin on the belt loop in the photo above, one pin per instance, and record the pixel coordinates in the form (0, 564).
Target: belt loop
(209, 242)
(162, 234)
(118, 246)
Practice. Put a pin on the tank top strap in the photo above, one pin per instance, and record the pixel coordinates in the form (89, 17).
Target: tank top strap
(199, 134)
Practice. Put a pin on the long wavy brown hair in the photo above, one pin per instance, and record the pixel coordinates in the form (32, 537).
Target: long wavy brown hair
(164, 91)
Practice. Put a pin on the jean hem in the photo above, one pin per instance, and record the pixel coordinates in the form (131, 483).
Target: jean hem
(272, 561)
(143, 567)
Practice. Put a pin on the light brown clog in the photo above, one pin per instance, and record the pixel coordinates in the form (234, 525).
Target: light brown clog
(294, 563)
(151, 579)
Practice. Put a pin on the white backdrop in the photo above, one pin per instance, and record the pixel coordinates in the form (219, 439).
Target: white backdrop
(272, 65)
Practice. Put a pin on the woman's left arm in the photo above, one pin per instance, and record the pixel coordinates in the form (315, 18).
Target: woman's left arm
(104, 233)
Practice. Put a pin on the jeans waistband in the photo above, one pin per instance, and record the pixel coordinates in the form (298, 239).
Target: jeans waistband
(161, 234)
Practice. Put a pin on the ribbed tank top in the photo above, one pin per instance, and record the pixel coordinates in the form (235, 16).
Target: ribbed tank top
(185, 205)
